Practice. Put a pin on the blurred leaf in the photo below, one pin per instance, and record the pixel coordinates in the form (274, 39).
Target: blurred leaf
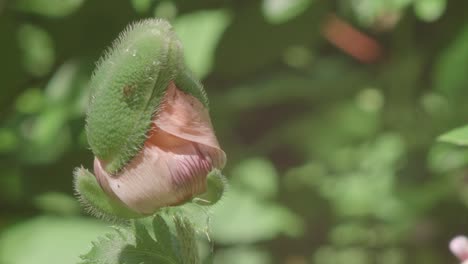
(12, 187)
(457, 136)
(242, 255)
(449, 73)
(443, 158)
(58, 203)
(242, 52)
(8, 140)
(351, 233)
(48, 240)
(371, 12)
(367, 182)
(298, 56)
(279, 11)
(165, 9)
(37, 49)
(141, 6)
(254, 220)
(200, 32)
(429, 10)
(350, 255)
(69, 87)
(30, 101)
(47, 136)
(257, 175)
(51, 8)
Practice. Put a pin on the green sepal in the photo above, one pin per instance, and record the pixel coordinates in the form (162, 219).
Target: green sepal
(127, 87)
(216, 187)
(95, 200)
(187, 83)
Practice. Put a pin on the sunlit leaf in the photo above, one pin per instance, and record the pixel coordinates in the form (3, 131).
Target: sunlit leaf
(58, 203)
(457, 136)
(40, 237)
(443, 158)
(141, 6)
(200, 32)
(254, 220)
(37, 49)
(256, 175)
(278, 11)
(429, 10)
(51, 8)
(165, 9)
(244, 255)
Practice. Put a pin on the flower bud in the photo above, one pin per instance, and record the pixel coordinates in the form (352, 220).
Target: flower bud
(148, 125)
(176, 158)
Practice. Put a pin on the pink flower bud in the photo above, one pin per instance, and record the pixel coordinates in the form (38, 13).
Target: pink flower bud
(180, 151)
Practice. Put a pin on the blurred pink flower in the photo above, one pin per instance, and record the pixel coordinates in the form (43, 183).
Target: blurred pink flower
(459, 247)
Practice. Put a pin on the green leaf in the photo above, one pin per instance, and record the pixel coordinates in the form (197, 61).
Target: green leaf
(254, 220)
(50, 8)
(48, 240)
(57, 203)
(201, 32)
(449, 76)
(141, 6)
(257, 175)
(244, 255)
(37, 47)
(139, 244)
(30, 101)
(429, 10)
(457, 136)
(279, 11)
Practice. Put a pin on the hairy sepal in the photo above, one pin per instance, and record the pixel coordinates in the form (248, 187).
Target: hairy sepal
(127, 88)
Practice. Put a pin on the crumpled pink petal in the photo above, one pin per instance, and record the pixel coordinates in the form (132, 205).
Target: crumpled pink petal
(175, 160)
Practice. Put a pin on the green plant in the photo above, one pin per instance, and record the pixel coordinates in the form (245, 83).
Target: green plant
(149, 129)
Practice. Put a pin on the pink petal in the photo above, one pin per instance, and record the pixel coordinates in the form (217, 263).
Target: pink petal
(184, 116)
(157, 178)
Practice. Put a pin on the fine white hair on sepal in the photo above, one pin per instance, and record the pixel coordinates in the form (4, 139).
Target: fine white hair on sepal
(88, 207)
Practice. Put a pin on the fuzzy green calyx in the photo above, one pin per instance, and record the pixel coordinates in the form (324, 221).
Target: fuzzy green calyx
(127, 88)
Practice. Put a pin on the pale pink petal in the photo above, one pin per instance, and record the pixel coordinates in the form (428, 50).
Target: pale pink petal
(184, 116)
(158, 178)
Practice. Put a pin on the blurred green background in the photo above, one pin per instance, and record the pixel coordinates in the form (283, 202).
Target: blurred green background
(328, 110)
